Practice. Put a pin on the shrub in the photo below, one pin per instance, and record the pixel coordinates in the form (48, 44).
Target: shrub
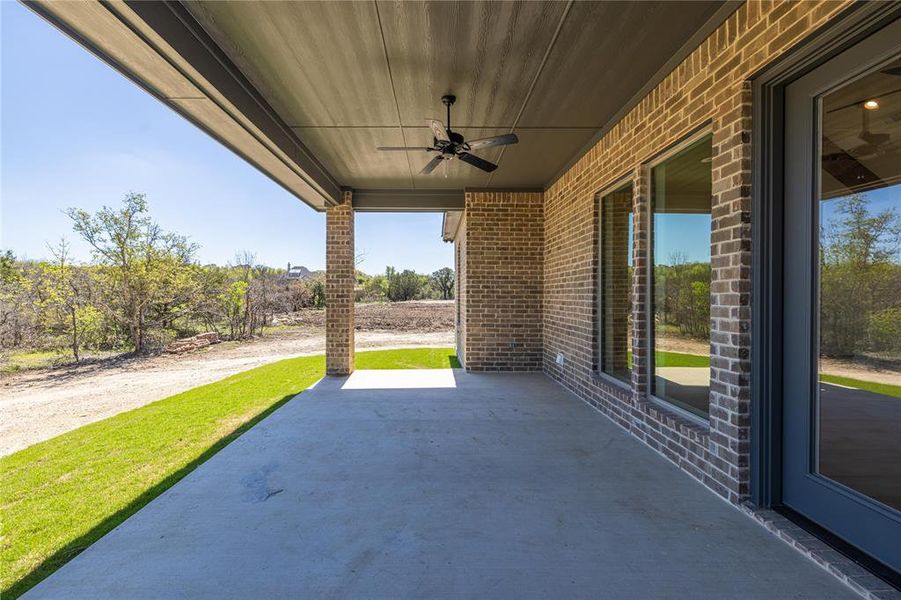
(884, 330)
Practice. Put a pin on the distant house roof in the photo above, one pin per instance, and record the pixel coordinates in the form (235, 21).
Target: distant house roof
(297, 272)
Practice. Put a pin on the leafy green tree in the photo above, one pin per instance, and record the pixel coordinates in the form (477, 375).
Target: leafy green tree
(141, 267)
(685, 292)
(317, 291)
(860, 278)
(402, 286)
(375, 289)
(443, 282)
(859, 238)
(884, 330)
(8, 271)
(232, 299)
(17, 317)
(91, 325)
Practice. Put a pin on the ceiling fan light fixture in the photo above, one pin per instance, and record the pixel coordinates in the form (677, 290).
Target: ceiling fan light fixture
(871, 105)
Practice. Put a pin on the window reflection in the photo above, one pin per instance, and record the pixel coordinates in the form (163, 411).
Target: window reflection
(616, 279)
(681, 198)
(860, 286)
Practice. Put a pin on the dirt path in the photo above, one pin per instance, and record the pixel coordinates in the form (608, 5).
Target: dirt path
(39, 405)
(861, 370)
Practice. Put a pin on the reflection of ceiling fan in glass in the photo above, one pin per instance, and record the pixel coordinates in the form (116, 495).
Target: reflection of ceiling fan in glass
(857, 158)
(873, 143)
(450, 144)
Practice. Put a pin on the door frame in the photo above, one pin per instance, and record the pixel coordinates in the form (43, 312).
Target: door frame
(768, 104)
(854, 24)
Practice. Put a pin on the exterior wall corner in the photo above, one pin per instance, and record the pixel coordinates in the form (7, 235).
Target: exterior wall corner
(502, 270)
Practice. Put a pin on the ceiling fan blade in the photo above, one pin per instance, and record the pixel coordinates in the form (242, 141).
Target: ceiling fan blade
(439, 131)
(399, 148)
(431, 165)
(845, 168)
(477, 162)
(498, 140)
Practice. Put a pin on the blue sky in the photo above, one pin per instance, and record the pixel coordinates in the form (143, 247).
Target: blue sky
(886, 198)
(73, 132)
(685, 234)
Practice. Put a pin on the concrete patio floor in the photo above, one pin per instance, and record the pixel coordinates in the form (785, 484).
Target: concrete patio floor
(399, 484)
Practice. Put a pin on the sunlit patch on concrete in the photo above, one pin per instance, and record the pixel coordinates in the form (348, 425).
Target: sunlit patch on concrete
(400, 379)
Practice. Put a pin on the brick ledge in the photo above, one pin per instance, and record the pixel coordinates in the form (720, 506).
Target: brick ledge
(859, 579)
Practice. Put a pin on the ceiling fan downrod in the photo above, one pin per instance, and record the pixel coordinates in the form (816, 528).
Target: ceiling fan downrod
(448, 101)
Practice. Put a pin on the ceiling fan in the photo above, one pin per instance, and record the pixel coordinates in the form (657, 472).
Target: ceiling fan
(450, 144)
(873, 144)
(851, 166)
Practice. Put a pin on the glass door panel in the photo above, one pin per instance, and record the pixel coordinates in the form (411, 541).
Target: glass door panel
(859, 408)
(841, 296)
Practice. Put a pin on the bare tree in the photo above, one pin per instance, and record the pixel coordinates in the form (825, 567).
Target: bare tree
(64, 293)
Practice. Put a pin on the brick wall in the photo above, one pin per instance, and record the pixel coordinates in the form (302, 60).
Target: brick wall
(641, 295)
(502, 266)
(711, 87)
(339, 287)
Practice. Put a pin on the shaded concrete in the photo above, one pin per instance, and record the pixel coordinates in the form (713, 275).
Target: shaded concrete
(485, 485)
(859, 441)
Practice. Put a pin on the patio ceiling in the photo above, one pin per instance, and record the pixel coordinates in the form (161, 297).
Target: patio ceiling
(307, 91)
(350, 76)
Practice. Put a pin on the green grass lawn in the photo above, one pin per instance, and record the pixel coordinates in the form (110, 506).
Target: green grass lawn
(60, 496)
(416, 358)
(886, 389)
(33, 359)
(27, 360)
(677, 359)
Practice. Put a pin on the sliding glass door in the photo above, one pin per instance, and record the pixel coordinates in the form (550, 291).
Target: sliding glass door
(842, 296)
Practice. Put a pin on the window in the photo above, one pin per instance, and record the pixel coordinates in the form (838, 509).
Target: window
(681, 191)
(615, 276)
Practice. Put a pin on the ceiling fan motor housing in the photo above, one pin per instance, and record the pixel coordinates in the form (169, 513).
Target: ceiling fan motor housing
(456, 139)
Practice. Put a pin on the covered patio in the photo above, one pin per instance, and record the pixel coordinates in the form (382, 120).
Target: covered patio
(438, 483)
(601, 127)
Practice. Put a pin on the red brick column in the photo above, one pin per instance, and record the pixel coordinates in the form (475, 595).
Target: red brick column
(339, 287)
